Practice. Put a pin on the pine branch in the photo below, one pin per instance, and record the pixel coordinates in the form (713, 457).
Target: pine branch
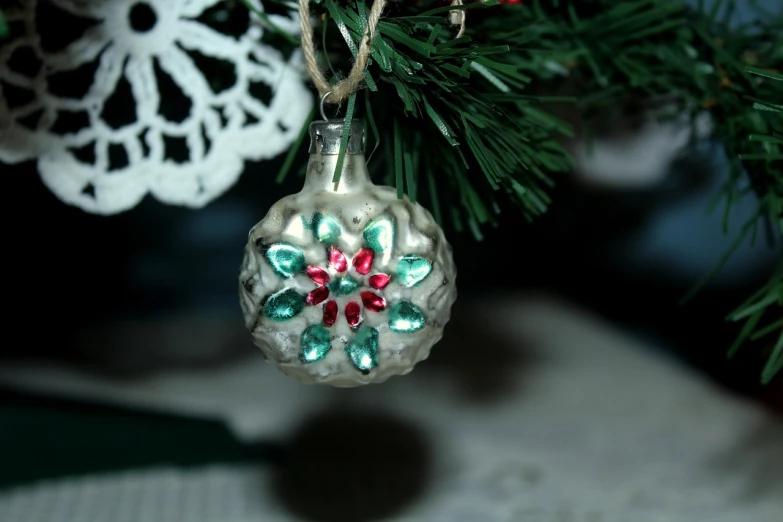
(270, 23)
(453, 114)
(767, 303)
(3, 26)
(761, 315)
(616, 53)
(454, 117)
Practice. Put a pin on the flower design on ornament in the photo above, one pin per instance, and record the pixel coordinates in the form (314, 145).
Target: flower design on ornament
(342, 279)
(343, 284)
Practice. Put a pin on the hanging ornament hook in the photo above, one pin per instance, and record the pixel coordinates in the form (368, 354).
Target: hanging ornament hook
(323, 100)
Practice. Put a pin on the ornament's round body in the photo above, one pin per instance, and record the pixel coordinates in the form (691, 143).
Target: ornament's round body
(346, 285)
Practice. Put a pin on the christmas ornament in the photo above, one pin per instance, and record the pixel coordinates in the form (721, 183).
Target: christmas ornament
(343, 283)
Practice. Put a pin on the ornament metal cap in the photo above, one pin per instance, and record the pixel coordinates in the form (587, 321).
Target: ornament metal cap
(325, 137)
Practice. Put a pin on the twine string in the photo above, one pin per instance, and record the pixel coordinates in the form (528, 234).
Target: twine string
(340, 91)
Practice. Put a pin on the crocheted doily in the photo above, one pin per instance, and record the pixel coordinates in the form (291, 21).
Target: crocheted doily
(117, 99)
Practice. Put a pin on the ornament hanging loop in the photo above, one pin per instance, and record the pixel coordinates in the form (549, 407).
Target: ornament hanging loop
(458, 17)
(323, 100)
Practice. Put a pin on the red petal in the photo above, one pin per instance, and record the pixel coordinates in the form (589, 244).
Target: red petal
(318, 275)
(373, 302)
(353, 313)
(337, 260)
(330, 312)
(379, 281)
(317, 296)
(362, 262)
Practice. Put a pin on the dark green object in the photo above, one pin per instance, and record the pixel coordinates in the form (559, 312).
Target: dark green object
(413, 269)
(379, 235)
(338, 169)
(284, 305)
(363, 349)
(761, 312)
(46, 438)
(286, 259)
(3, 26)
(326, 228)
(316, 343)
(405, 317)
(343, 285)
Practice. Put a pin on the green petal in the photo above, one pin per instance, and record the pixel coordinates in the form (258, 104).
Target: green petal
(284, 305)
(413, 269)
(325, 228)
(316, 343)
(286, 259)
(379, 234)
(405, 317)
(344, 285)
(363, 349)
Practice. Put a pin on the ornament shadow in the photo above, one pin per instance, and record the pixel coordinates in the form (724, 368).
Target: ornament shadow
(487, 360)
(130, 349)
(353, 466)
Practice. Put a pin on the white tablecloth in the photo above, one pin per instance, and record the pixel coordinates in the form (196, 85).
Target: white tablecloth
(529, 410)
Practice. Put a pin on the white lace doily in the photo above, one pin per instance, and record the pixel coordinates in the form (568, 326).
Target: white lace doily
(185, 150)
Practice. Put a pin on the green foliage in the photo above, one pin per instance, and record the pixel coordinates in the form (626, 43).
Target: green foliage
(459, 119)
(623, 52)
(761, 315)
(767, 303)
(615, 53)
(266, 20)
(3, 26)
(447, 119)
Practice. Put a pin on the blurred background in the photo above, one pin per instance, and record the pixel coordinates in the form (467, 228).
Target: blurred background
(628, 254)
(101, 311)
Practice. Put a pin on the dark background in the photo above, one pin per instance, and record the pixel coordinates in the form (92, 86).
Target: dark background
(628, 255)
(70, 271)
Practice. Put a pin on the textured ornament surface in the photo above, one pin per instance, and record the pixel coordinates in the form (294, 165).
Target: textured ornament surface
(186, 132)
(376, 291)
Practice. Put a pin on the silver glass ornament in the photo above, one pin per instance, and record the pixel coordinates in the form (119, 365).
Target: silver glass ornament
(343, 283)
